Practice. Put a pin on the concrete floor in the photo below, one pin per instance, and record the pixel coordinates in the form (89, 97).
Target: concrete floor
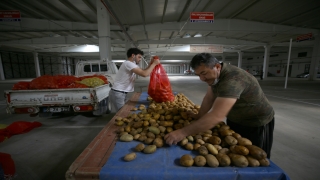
(47, 152)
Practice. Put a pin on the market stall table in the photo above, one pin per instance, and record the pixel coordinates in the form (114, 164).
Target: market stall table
(163, 164)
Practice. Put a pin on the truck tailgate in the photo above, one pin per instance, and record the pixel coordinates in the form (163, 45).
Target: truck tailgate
(57, 96)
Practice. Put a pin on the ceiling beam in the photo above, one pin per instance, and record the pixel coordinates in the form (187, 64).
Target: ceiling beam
(186, 6)
(222, 9)
(94, 10)
(23, 10)
(74, 9)
(55, 10)
(43, 25)
(207, 5)
(245, 7)
(164, 10)
(34, 9)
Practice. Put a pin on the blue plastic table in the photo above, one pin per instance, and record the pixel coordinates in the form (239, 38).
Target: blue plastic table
(164, 164)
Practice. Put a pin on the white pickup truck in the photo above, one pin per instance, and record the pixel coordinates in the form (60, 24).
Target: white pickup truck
(45, 102)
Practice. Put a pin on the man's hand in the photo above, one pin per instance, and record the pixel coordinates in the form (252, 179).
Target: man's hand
(174, 137)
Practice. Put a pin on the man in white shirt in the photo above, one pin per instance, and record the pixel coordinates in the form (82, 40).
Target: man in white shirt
(125, 78)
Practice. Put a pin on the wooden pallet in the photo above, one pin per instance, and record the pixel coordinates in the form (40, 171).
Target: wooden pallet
(89, 163)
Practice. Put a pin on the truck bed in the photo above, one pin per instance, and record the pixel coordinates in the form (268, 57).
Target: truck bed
(57, 97)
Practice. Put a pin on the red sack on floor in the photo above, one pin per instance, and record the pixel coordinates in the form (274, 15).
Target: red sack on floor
(18, 127)
(159, 86)
(7, 164)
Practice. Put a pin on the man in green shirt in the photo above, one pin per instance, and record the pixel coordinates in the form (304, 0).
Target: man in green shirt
(233, 93)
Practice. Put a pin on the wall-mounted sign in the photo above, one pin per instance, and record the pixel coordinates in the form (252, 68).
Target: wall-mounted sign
(10, 15)
(206, 49)
(305, 37)
(206, 17)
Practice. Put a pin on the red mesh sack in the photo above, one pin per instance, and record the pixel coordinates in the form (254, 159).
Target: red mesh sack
(63, 81)
(22, 85)
(44, 82)
(159, 87)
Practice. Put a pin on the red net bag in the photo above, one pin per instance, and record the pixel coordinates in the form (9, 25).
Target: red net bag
(44, 82)
(64, 81)
(159, 86)
(22, 85)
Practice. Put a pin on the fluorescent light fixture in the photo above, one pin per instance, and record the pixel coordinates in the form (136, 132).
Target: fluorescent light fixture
(198, 35)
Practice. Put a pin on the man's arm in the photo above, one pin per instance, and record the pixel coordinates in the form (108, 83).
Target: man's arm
(220, 110)
(206, 103)
(146, 72)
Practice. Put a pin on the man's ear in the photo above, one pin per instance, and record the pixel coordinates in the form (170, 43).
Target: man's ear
(218, 66)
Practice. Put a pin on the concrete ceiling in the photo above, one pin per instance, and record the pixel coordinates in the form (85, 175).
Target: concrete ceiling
(160, 27)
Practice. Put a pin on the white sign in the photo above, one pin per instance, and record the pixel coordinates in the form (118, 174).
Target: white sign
(206, 49)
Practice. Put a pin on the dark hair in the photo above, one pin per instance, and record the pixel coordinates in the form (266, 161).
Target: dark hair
(134, 51)
(203, 58)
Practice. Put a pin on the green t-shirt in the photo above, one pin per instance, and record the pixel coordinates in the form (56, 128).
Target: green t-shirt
(252, 108)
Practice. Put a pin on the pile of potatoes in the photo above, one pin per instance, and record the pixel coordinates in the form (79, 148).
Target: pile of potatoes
(220, 146)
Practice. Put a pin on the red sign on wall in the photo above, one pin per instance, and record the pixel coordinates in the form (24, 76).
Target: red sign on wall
(304, 37)
(202, 17)
(10, 15)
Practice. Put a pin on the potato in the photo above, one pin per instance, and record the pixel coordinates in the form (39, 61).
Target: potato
(136, 137)
(196, 146)
(142, 138)
(148, 140)
(130, 157)
(151, 135)
(240, 150)
(256, 152)
(214, 140)
(190, 138)
(218, 147)
(224, 127)
(150, 149)
(212, 161)
(154, 130)
(189, 146)
(231, 140)
(224, 160)
(162, 129)
(186, 160)
(227, 132)
(200, 141)
(212, 149)
(183, 142)
(244, 141)
(166, 123)
(264, 162)
(139, 147)
(252, 161)
(158, 142)
(224, 151)
(126, 137)
(236, 135)
(200, 161)
(203, 150)
(238, 160)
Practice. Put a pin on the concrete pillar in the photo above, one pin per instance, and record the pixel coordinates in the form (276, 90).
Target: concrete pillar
(36, 64)
(1, 70)
(128, 46)
(223, 57)
(315, 59)
(103, 31)
(266, 61)
(240, 59)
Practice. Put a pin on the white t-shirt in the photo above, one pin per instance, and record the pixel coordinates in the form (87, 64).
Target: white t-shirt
(125, 78)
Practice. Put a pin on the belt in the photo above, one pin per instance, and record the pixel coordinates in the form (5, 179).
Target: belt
(119, 91)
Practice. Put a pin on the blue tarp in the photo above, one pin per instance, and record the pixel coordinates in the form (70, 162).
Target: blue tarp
(164, 164)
